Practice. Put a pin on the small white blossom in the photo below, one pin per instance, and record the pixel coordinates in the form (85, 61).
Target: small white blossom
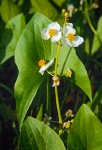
(52, 31)
(69, 38)
(46, 66)
(69, 24)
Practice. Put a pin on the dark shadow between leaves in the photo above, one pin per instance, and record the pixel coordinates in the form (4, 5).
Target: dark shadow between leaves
(5, 40)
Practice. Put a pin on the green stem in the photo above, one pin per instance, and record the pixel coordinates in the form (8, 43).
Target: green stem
(57, 105)
(56, 89)
(56, 63)
(47, 97)
(88, 19)
(89, 22)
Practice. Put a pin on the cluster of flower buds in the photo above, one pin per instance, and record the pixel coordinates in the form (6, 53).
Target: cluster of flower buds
(56, 81)
(67, 124)
(95, 4)
(69, 113)
(68, 73)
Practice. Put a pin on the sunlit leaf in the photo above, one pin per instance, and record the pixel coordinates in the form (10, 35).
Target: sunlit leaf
(79, 76)
(38, 136)
(86, 131)
(30, 49)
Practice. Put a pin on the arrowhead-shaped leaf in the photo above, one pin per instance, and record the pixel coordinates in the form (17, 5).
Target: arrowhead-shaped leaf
(35, 135)
(30, 49)
(86, 131)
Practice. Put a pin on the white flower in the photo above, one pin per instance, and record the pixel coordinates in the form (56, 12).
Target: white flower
(46, 66)
(69, 38)
(52, 31)
(69, 24)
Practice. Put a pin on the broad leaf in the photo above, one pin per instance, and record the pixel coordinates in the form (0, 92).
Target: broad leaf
(79, 77)
(30, 49)
(44, 7)
(11, 36)
(35, 135)
(8, 10)
(86, 131)
(97, 41)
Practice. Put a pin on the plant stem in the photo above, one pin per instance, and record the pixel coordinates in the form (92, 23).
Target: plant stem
(57, 105)
(56, 63)
(88, 19)
(89, 22)
(56, 89)
(48, 97)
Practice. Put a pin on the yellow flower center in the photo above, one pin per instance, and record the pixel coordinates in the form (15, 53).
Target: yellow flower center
(52, 32)
(41, 63)
(70, 37)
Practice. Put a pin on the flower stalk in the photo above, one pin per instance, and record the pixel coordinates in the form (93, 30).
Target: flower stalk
(56, 89)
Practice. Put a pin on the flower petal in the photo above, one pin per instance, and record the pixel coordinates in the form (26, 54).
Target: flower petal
(44, 34)
(66, 42)
(57, 37)
(42, 69)
(45, 67)
(68, 29)
(77, 41)
(69, 24)
(54, 25)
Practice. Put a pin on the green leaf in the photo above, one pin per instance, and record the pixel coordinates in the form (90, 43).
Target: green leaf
(40, 113)
(59, 2)
(11, 36)
(97, 41)
(8, 10)
(30, 49)
(79, 77)
(44, 7)
(86, 131)
(35, 135)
